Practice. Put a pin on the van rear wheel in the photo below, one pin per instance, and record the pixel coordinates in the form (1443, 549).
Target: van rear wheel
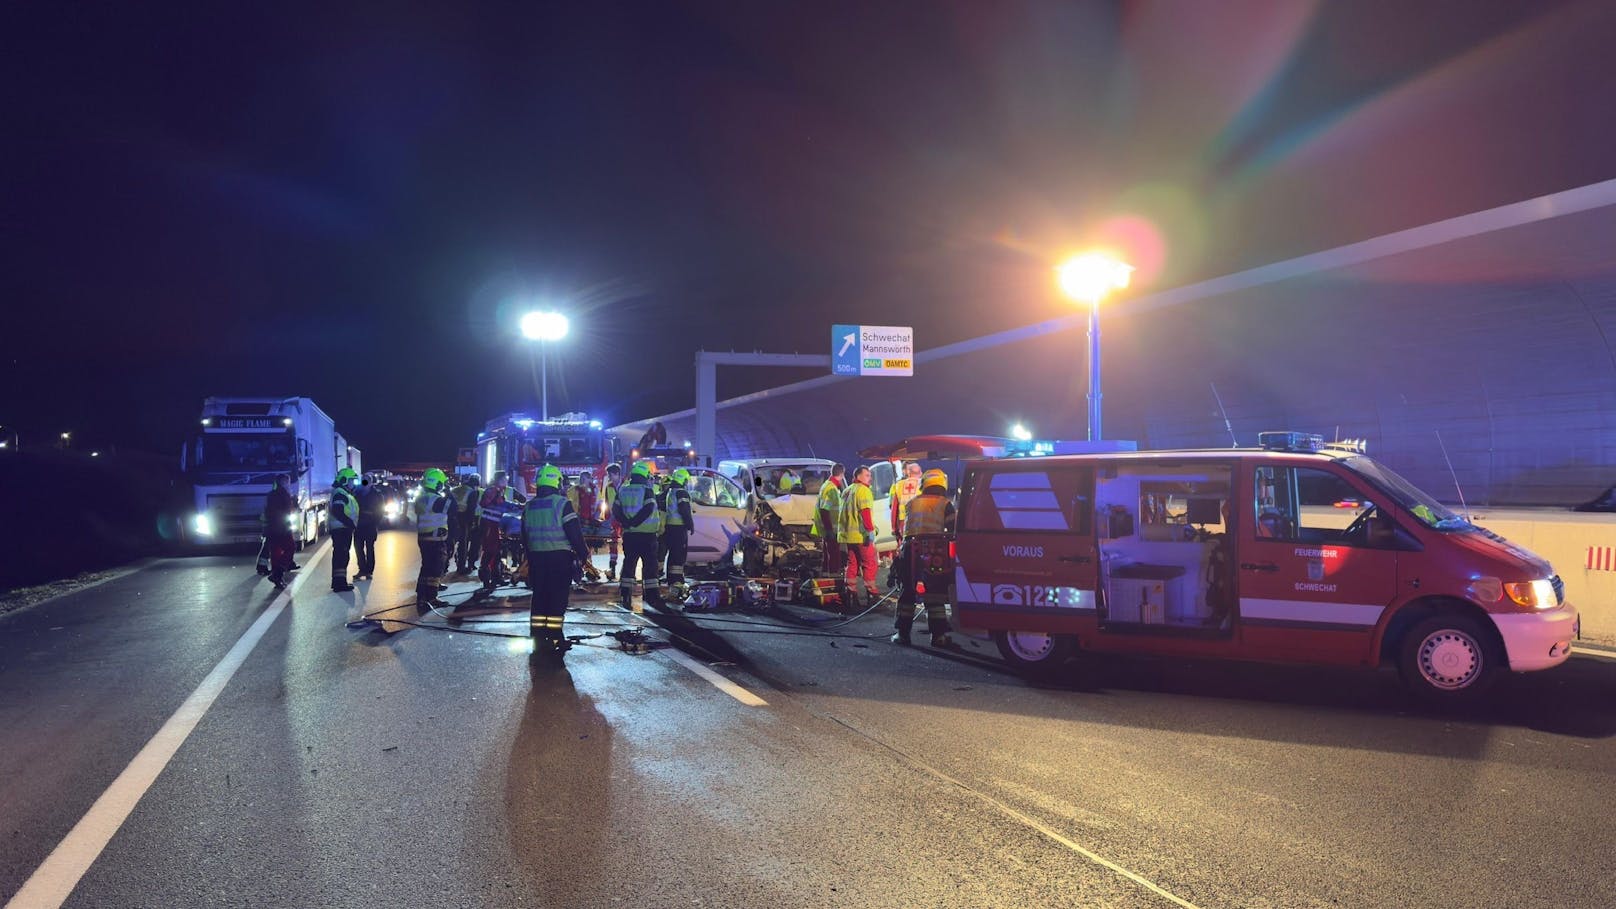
(1035, 654)
(1449, 660)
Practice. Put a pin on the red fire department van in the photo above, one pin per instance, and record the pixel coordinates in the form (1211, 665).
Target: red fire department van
(1296, 552)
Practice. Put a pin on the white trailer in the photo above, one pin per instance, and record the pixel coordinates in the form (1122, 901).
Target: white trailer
(242, 444)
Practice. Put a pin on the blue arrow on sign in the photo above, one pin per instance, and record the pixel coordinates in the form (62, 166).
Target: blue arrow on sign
(845, 350)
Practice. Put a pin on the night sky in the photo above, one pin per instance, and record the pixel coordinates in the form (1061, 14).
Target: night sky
(352, 202)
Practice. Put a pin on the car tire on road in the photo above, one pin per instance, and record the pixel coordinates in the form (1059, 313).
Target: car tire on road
(1449, 660)
(1034, 654)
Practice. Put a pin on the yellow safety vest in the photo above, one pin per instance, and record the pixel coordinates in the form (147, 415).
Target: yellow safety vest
(633, 497)
(855, 500)
(830, 499)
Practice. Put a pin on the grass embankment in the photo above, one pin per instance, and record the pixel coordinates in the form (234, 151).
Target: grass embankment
(67, 513)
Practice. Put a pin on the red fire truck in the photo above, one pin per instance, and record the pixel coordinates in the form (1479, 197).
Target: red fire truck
(520, 444)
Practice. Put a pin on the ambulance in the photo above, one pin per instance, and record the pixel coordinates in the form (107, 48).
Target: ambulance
(1298, 551)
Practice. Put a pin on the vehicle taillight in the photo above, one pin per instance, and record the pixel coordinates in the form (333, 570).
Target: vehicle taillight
(951, 550)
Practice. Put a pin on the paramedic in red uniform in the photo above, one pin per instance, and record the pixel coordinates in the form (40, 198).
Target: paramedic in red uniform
(856, 531)
(491, 508)
(278, 511)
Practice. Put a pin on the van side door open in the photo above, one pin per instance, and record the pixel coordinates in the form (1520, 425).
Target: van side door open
(1314, 576)
(1026, 547)
(1166, 549)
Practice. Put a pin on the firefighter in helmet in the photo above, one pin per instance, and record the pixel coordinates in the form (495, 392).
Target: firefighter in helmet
(635, 508)
(432, 533)
(554, 538)
(676, 533)
(929, 517)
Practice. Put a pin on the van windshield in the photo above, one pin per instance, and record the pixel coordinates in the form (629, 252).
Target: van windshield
(1415, 501)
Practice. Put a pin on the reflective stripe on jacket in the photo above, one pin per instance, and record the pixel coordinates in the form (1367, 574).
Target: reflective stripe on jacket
(432, 515)
(344, 514)
(830, 499)
(633, 496)
(855, 501)
(676, 495)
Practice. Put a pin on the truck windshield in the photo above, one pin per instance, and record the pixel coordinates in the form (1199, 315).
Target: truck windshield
(245, 453)
(1416, 502)
(550, 448)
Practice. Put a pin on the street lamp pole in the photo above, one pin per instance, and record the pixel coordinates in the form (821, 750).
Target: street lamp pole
(1094, 371)
(543, 326)
(1088, 279)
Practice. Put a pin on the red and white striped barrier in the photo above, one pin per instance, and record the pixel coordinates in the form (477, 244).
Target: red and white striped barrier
(1601, 558)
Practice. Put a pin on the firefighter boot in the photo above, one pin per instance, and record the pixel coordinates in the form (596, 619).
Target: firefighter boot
(901, 636)
(937, 624)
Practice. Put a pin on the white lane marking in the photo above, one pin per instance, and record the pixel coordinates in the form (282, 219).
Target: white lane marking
(1012, 813)
(718, 681)
(53, 881)
(1598, 653)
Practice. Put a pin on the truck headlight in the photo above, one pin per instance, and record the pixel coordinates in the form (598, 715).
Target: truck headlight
(1536, 594)
(391, 510)
(203, 525)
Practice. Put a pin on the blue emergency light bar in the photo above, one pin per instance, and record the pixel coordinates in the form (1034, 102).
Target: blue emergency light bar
(1290, 441)
(1308, 442)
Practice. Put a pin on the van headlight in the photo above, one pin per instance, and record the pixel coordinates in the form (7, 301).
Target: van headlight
(391, 510)
(1534, 594)
(202, 525)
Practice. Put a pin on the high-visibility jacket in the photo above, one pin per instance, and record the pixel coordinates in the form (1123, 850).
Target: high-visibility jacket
(464, 507)
(633, 496)
(660, 516)
(678, 504)
(856, 500)
(904, 492)
(432, 515)
(609, 496)
(545, 521)
(344, 513)
(928, 513)
(830, 499)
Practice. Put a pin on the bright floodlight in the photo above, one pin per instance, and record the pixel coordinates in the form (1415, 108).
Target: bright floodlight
(544, 325)
(1020, 432)
(1088, 278)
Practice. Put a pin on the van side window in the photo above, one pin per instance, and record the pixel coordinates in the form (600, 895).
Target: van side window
(1037, 501)
(1309, 505)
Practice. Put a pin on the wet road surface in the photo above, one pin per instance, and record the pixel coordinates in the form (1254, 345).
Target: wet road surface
(761, 763)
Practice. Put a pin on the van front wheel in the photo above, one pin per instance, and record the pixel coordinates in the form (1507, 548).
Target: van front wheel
(1448, 659)
(1035, 654)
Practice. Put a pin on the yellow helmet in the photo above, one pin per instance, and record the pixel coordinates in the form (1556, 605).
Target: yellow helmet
(934, 477)
(549, 475)
(681, 477)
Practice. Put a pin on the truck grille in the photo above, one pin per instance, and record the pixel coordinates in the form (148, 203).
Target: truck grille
(236, 515)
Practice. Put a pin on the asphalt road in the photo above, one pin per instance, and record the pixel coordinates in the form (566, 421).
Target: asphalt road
(410, 766)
